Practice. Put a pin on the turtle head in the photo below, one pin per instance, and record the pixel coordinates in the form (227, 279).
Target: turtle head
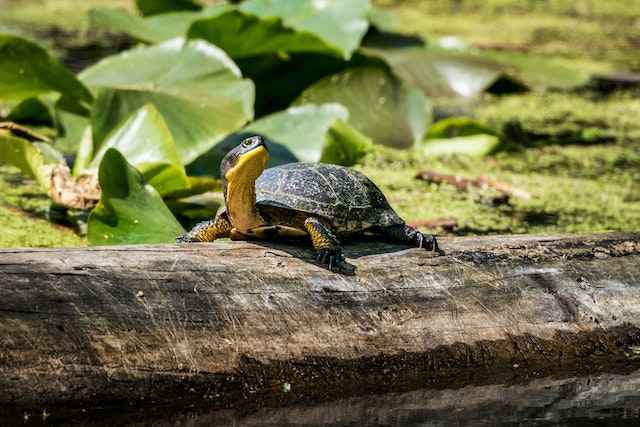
(239, 170)
(246, 161)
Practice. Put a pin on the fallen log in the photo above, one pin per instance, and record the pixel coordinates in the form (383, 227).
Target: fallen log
(234, 319)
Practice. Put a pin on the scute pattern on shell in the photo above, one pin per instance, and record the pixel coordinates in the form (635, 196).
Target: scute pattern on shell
(345, 197)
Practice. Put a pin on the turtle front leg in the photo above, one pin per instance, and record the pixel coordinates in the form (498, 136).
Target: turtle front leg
(411, 236)
(207, 231)
(327, 246)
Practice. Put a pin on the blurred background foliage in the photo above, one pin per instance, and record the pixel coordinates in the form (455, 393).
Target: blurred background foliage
(539, 95)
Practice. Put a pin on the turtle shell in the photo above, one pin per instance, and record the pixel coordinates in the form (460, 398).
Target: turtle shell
(343, 196)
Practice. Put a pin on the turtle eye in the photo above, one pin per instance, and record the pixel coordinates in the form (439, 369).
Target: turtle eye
(247, 143)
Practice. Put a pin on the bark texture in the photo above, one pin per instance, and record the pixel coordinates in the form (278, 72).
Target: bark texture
(228, 319)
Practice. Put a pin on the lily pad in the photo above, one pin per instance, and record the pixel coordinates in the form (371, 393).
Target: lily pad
(308, 133)
(446, 74)
(154, 7)
(72, 130)
(130, 211)
(339, 23)
(540, 72)
(384, 20)
(162, 28)
(242, 35)
(27, 70)
(152, 29)
(380, 106)
(34, 159)
(195, 86)
(146, 143)
(479, 145)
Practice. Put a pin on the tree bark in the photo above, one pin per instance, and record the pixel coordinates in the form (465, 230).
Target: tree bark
(228, 319)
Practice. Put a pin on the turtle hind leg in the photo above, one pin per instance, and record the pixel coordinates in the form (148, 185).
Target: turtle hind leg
(327, 247)
(409, 235)
(207, 231)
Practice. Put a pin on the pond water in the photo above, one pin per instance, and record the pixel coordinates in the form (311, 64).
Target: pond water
(602, 399)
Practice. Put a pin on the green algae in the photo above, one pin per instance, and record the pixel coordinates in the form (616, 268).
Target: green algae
(563, 118)
(574, 189)
(25, 217)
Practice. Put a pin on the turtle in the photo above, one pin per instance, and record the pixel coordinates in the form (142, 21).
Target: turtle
(324, 202)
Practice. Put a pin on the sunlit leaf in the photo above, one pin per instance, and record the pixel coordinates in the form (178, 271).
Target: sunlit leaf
(27, 70)
(73, 129)
(384, 20)
(539, 72)
(145, 141)
(339, 23)
(130, 211)
(197, 89)
(152, 29)
(34, 159)
(446, 74)
(242, 35)
(457, 126)
(380, 106)
(479, 145)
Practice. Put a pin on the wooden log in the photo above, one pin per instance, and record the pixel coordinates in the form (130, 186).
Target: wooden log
(228, 319)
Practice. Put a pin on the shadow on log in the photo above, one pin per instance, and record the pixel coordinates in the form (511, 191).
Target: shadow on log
(232, 320)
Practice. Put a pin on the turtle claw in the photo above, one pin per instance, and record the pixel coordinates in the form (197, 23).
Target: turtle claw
(335, 261)
(428, 242)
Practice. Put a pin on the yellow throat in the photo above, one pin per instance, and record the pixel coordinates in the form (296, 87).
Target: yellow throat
(241, 190)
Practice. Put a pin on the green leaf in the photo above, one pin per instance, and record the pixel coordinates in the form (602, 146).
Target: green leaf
(163, 27)
(540, 72)
(380, 106)
(154, 7)
(146, 143)
(446, 74)
(73, 129)
(27, 70)
(305, 131)
(32, 111)
(384, 20)
(130, 211)
(153, 29)
(479, 145)
(453, 127)
(197, 89)
(34, 159)
(281, 79)
(338, 23)
(242, 35)
(308, 133)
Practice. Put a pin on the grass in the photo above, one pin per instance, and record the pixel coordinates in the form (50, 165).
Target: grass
(577, 153)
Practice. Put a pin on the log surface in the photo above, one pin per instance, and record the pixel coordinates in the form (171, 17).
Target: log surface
(215, 320)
